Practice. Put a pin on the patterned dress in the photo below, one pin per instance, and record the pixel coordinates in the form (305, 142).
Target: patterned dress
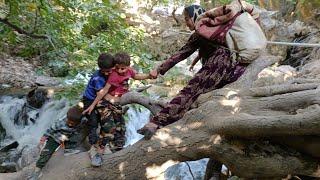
(217, 71)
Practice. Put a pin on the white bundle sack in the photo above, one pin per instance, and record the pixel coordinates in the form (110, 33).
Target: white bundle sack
(246, 38)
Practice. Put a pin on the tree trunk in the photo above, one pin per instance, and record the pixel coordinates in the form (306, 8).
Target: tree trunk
(248, 129)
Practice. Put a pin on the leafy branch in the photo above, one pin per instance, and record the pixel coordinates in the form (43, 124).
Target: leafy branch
(21, 31)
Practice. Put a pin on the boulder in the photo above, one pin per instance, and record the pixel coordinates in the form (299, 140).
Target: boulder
(47, 81)
(37, 97)
(10, 146)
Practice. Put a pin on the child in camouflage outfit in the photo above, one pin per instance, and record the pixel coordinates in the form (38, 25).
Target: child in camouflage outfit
(63, 132)
(112, 131)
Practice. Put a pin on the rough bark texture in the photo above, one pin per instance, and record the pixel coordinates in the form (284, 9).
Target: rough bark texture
(267, 132)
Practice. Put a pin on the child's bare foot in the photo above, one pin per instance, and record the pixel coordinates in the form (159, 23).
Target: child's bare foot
(148, 130)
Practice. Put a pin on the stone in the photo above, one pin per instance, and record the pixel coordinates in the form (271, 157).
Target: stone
(12, 145)
(297, 27)
(37, 97)
(181, 170)
(47, 81)
(267, 19)
(8, 167)
(16, 72)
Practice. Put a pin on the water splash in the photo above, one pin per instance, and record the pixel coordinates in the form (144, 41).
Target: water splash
(138, 117)
(30, 134)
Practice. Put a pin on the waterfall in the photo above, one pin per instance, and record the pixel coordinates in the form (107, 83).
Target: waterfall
(11, 107)
(137, 118)
(28, 134)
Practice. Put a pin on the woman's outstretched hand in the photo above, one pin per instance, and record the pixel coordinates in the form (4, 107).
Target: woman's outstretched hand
(154, 73)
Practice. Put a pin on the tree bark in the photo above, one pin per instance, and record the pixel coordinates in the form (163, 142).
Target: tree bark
(247, 129)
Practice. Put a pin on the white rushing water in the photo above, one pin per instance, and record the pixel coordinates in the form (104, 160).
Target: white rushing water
(138, 117)
(29, 135)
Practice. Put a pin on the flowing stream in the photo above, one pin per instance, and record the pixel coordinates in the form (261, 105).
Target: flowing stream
(26, 125)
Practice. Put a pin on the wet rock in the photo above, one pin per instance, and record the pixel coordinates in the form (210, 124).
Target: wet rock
(8, 161)
(14, 109)
(10, 146)
(37, 97)
(8, 167)
(26, 115)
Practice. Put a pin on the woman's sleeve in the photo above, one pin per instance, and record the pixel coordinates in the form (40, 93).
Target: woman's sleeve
(192, 45)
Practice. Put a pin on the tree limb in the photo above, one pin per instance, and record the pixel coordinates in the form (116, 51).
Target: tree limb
(229, 93)
(175, 17)
(134, 97)
(247, 79)
(173, 144)
(21, 31)
(246, 125)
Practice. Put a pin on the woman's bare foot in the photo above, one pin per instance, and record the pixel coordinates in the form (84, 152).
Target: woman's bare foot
(148, 130)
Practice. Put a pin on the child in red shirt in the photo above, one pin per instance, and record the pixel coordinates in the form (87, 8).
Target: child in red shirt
(117, 83)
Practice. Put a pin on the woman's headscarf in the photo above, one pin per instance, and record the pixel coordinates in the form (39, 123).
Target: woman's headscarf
(194, 11)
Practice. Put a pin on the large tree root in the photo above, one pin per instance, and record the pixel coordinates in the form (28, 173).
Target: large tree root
(256, 132)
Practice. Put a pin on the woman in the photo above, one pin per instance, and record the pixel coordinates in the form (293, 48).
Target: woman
(217, 70)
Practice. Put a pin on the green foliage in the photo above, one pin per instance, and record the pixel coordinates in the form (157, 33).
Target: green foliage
(72, 92)
(79, 30)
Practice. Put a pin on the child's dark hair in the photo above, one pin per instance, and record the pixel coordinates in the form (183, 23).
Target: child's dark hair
(105, 61)
(122, 58)
(74, 114)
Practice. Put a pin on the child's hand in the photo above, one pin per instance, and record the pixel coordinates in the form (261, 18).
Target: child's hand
(88, 110)
(42, 142)
(154, 74)
(43, 139)
(191, 68)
